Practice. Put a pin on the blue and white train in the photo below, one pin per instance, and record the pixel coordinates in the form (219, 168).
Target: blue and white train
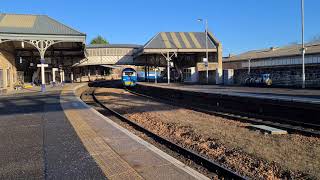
(129, 77)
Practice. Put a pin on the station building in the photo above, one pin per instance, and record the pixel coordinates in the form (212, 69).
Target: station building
(284, 64)
(37, 49)
(185, 49)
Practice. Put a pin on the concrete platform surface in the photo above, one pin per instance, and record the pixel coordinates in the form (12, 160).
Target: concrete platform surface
(37, 140)
(119, 153)
(298, 95)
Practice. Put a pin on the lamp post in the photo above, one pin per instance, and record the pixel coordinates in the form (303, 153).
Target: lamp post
(303, 48)
(206, 61)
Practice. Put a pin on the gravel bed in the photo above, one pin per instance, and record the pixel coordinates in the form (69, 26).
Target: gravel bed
(231, 143)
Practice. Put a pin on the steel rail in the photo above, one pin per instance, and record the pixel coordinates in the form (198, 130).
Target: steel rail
(212, 166)
(288, 127)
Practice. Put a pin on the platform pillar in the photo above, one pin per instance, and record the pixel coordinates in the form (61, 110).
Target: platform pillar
(168, 66)
(71, 77)
(43, 79)
(54, 76)
(62, 77)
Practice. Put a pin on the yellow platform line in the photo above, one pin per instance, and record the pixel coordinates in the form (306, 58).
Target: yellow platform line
(175, 40)
(194, 40)
(185, 40)
(112, 165)
(165, 40)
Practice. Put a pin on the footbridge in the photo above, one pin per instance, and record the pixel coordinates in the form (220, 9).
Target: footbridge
(109, 54)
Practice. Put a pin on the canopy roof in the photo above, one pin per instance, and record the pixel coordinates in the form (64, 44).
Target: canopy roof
(180, 40)
(273, 52)
(34, 24)
(33, 35)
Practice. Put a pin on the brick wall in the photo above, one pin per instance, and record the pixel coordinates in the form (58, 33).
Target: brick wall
(284, 76)
(8, 71)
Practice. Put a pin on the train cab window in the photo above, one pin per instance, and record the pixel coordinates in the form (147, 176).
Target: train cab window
(128, 73)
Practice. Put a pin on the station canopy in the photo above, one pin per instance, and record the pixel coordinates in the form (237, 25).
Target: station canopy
(32, 36)
(187, 45)
(179, 42)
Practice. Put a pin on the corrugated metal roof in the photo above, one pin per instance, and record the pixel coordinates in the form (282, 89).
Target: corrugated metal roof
(113, 46)
(179, 40)
(293, 50)
(33, 24)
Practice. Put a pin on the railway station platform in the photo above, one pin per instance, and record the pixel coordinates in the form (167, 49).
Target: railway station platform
(298, 107)
(54, 135)
(282, 94)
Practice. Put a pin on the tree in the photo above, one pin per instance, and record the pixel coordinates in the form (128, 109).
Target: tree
(99, 40)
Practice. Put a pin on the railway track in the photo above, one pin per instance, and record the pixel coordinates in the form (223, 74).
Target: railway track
(291, 128)
(211, 166)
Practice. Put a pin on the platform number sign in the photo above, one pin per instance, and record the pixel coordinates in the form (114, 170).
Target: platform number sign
(205, 61)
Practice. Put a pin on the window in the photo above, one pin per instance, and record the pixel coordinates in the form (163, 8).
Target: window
(128, 73)
(1, 78)
(187, 74)
(8, 78)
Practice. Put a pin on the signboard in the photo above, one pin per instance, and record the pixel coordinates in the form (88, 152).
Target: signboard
(205, 61)
(42, 65)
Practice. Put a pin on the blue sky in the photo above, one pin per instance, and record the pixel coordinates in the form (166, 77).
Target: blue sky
(239, 25)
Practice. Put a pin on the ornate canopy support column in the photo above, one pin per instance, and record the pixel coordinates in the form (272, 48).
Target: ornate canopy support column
(168, 57)
(42, 46)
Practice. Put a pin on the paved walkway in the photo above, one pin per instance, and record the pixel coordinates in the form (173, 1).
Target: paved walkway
(298, 95)
(56, 136)
(38, 141)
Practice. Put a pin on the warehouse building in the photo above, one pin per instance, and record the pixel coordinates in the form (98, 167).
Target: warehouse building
(284, 64)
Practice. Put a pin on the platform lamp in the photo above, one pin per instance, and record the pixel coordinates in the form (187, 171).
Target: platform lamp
(206, 60)
(303, 47)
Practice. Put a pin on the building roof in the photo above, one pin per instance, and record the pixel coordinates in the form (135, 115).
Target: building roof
(34, 24)
(89, 46)
(274, 52)
(180, 40)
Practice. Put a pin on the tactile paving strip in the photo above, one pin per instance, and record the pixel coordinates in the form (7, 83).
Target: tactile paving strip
(113, 166)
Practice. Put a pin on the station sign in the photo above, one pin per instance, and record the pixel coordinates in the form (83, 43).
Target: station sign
(205, 60)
